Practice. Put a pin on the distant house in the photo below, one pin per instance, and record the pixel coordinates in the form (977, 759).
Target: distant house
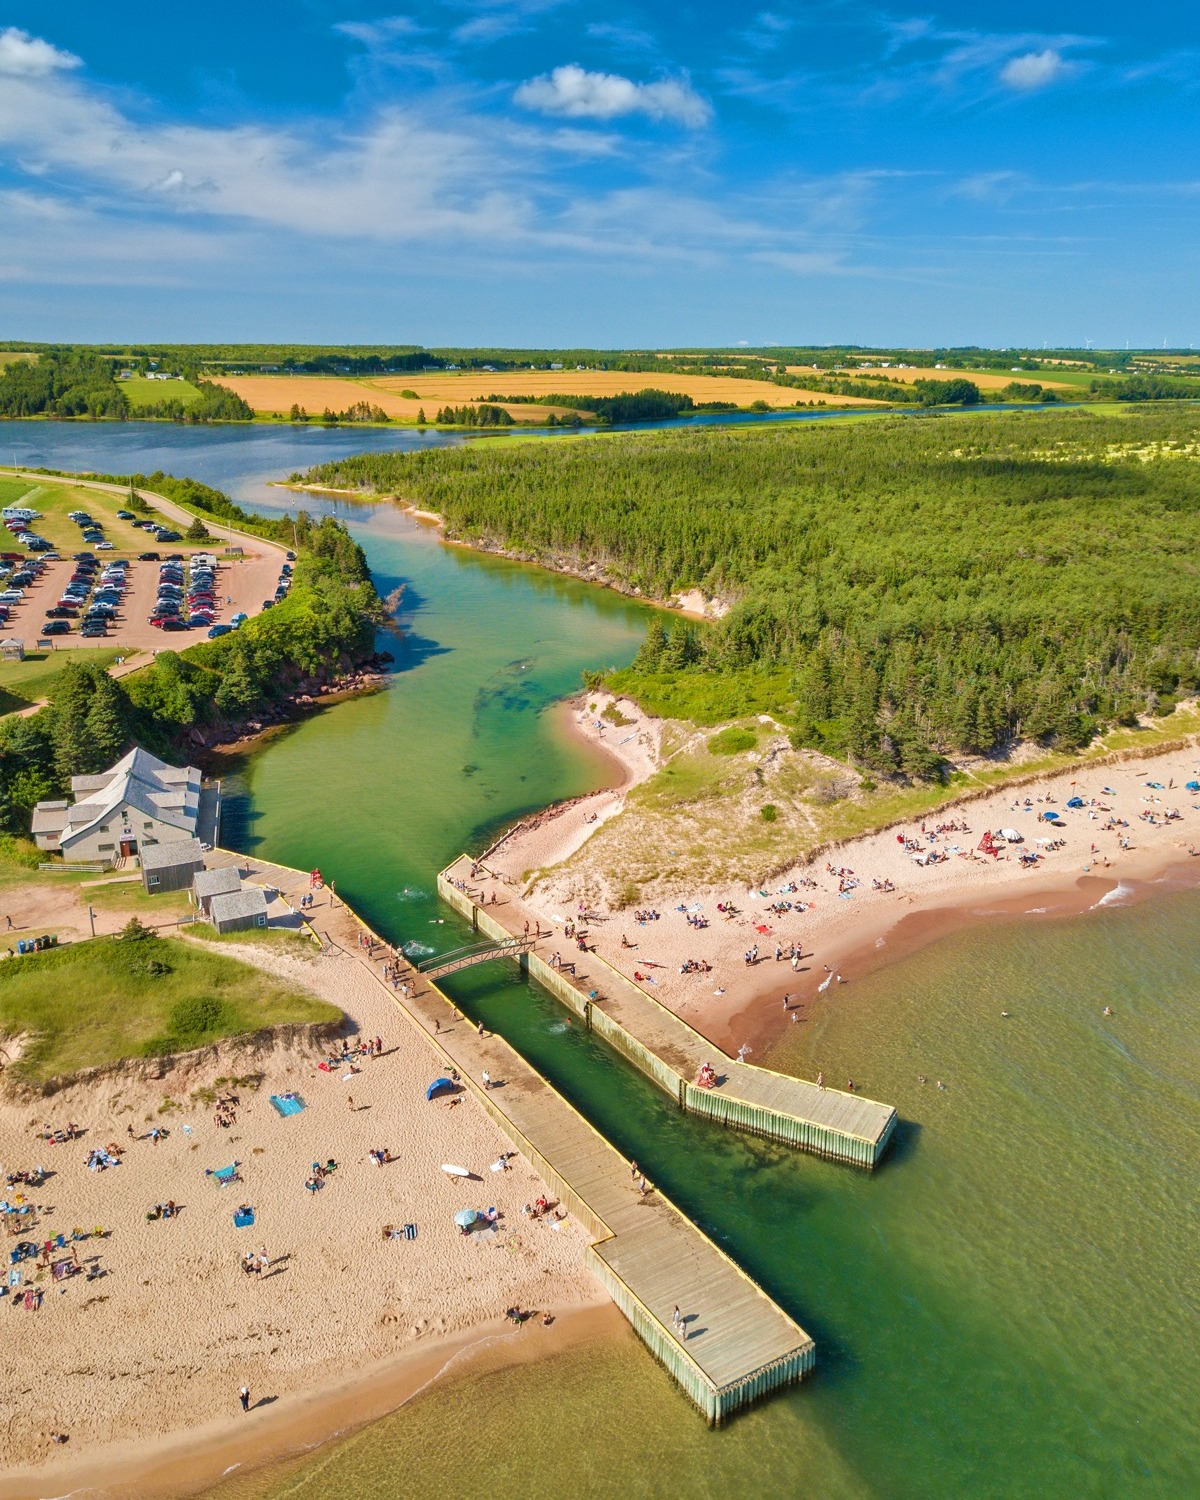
(141, 801)
(210, 883)
(239, 910)
(171, 866)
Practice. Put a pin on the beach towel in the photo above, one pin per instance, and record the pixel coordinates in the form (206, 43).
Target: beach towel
(288, 1106)
(14, 1277)
(225, 1175)
(410, 1231)
(244, 1221)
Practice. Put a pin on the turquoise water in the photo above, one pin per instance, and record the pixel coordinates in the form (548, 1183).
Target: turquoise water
(1007, 1308)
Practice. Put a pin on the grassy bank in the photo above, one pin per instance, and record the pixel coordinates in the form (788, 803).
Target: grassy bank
(136, 996)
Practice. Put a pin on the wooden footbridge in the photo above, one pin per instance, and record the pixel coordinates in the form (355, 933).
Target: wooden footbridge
(474, 953)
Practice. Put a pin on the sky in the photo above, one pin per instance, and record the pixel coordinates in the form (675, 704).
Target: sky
(552, 173)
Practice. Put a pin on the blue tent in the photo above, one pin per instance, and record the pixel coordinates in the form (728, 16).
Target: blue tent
(438, 1086)
(1074, 801)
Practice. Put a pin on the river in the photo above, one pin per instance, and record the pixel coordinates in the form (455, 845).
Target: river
(1007, 1308)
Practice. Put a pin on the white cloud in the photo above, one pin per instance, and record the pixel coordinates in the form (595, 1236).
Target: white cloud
(578, 94)
(378, 33)
(1034, 70)
(25, 56)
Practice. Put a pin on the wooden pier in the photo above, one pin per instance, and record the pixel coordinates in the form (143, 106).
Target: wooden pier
(735, 1344)
(825, 1121)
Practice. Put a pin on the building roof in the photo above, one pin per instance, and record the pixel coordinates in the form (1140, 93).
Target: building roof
(50, 817)
(248, 902)
(168, 794)
(220, 882)
(173, 853)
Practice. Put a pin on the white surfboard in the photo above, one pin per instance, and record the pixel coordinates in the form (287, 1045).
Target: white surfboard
(451, 1170)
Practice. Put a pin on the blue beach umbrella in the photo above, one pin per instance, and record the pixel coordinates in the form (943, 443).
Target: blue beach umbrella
(465, 1217)
(437, 1087)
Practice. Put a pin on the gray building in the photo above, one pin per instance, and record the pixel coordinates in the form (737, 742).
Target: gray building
(239, 910)
(139, 802)
(173, 866)
(209, 883)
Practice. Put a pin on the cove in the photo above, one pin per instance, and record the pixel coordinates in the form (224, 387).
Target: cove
(1006, 1308)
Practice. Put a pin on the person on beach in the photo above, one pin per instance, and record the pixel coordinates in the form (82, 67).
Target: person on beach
(487, 1079)
(677, 1318)
(350, 1102)
(244, 1397)
(633, 1171)
(820, 1080)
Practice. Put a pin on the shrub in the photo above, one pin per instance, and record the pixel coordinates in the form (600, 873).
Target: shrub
(732, 741)
(768, 813)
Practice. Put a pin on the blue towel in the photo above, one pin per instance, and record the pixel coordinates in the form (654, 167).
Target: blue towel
(244, 1221)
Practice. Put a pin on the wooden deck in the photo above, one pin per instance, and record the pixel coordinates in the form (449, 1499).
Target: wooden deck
(826, 1121)
(736, 1344)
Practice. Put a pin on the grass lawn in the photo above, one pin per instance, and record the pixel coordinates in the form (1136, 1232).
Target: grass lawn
(28, 681)
(131, 895)
(140, 391)
(55, 498)
(98, 1002)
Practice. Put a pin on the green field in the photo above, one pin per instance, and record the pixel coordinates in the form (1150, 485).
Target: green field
(55, 499)
(31, 680)
(97, 1002)
(141, 392)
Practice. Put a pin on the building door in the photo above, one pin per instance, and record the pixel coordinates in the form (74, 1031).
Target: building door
(128, 847)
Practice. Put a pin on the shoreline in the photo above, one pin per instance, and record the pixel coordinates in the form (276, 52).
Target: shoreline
(180, 1465)
(736, 1003)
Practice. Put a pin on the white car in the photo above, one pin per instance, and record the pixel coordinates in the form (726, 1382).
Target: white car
(104, 547)
(12, 596)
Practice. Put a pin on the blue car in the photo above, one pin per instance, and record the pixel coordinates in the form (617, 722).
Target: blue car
(216, 630)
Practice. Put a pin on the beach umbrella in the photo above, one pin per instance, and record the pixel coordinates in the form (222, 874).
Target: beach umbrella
(1074, 801)
(465, 1217)
(437, 1086)
(1193, 786)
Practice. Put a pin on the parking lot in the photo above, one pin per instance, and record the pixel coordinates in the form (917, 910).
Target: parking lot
(242, 582)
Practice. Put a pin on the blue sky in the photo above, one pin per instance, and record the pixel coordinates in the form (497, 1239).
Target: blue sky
(547, 172)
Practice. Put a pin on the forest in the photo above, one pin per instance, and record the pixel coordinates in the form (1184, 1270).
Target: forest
(327, 620)
(902, 587)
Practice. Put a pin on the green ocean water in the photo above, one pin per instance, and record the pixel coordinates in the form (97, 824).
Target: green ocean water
(1007, 1308)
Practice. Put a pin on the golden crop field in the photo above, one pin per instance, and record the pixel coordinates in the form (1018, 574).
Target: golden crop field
(278, 393)
(986, 380)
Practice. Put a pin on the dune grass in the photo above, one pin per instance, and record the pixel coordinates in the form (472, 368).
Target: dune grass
(145, 996)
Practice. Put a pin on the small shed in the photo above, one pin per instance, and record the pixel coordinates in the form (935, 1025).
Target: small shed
(171, 866)
(12, 649)
(239, 910)
(210, 883)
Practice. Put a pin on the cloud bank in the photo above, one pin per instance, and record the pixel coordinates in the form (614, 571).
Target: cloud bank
(577, 94)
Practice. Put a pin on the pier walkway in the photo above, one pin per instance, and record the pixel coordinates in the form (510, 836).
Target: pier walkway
(477, 953)
(826, 1121)
(735, 1344)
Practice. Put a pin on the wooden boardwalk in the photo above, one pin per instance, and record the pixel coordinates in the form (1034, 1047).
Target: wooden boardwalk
(828, 1122)
(736, 1345)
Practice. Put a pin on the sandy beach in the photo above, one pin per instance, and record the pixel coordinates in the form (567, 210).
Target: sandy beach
(870, 900)
(150, 1340)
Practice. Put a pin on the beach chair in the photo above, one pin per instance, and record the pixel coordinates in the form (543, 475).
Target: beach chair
(410, 1231)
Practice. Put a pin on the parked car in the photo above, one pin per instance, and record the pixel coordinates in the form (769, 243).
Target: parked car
(148, 556)
(93, 628)
(174, 623)
(217, 630)
(105, 547)
(56, 627)
(125, 515)
(60, 612)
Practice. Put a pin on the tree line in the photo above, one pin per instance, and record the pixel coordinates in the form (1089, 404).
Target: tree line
(901, 588)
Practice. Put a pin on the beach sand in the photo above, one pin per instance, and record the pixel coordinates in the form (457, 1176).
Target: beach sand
(849, 931)
(159, 1345)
